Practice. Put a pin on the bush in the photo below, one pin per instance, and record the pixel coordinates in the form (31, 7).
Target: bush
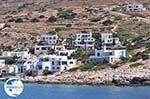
(68, 25)
(34, 34)
(107, 22)
(118, 18)
(19, 20)
(97, 19)
(58, 29)
(136, 64)
(41, 16)
(34, 20)
(66, 14)
(31, 73)
(10, 61)
(46, 72)
(51, 32)
(52, 19)
(114, 66)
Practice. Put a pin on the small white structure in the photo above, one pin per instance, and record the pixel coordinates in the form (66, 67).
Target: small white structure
(50, 39)
(2, 25)
(26, 64)
(43, 49)
(2, 63)
(11, 69)
(60, 50)
(66, 52)
(107, 56)
(17, 54)
(55, 63)
(84, 40)
(109, 41)
(135, 7)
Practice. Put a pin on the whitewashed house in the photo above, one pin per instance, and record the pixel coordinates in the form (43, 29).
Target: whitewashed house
(61, 50)
(2, 25)
(17, 54)
(135, 7)
(66, 52)
(2, 65)
(84, 40)
(55, 63)
(107, 56)
(26, 64)
(43, 49)
(109, 41)
(11, 69)
(50, 39)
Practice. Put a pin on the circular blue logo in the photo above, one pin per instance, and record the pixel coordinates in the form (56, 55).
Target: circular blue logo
(13, 87)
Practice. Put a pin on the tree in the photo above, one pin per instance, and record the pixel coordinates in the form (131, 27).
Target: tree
(19, 20)
(34, 20)
(52, 19)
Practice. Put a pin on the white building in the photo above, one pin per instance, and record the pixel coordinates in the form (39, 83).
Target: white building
(50, 39)
(61, 50)
(17, 54)
(2, 65)
(107, 56)
(43, 49)
(84, 40)
(135, 7)
(66, 52)
(55, 63)
(2, 25)
(11, 69)
(26, 64)
(109, 41)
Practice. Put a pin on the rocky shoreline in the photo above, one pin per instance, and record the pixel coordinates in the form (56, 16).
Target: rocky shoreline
(122, 76)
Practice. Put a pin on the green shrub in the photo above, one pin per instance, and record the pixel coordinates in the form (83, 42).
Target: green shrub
(52, 19)
(58, 29)
(34, 34)
(68, 25)
(51, 32)
(97, 19)
(34, 20)
(118, 18)
(136, 64)
(19, 20)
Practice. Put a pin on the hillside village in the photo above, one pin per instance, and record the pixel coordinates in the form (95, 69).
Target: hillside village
(73, 44)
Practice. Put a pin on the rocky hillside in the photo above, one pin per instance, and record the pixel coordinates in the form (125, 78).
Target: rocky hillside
(27, 20)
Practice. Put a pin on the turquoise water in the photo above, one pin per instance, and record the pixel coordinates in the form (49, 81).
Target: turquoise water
(37, 91)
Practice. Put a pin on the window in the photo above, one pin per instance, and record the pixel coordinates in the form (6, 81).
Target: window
(43, 38)
(65, 68)
(57, 67)
(54, 37)
(71, 62)
(39, 67)
(43, 48)
(46, 59)
(64, 62)
(110, 53)
(46, 67)
(52, 62)
(37, 48)
(58, 62)
(50, 38)
(98, 54)
(53, 67)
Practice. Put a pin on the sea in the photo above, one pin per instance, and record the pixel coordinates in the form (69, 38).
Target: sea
(51, 91)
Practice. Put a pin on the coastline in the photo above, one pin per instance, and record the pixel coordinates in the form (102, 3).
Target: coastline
(121, 76)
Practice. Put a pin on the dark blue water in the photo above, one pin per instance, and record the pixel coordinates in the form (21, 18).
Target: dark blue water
(36, 91)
